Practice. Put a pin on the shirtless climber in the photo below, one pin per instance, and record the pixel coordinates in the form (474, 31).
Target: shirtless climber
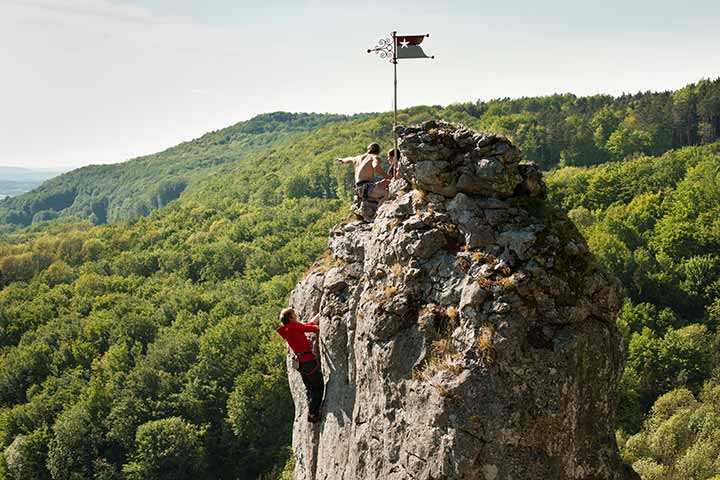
(366, 166)
(309, 367)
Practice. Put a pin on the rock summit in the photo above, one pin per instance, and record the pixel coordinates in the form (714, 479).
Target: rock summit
(466, 331)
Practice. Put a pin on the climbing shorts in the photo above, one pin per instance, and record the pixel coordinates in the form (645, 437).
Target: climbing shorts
(363, 189)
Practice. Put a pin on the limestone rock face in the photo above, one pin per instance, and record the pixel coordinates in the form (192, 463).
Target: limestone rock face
(466, 332)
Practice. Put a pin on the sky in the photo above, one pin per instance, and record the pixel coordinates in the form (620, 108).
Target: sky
(101, 81)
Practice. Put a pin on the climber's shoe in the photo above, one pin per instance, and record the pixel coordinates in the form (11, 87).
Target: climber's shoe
(313, 418)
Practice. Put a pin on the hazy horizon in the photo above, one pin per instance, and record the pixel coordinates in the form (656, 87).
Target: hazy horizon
(32, 169)
(101, 81)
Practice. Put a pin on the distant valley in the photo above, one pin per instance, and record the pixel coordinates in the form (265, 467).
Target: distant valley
(17, 180)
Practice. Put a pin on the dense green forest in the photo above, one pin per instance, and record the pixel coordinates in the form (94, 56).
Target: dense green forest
(557, 130)
(148, 350)
(655, 223)
(145, 348)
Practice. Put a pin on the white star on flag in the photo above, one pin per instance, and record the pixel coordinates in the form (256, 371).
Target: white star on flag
(408, 46)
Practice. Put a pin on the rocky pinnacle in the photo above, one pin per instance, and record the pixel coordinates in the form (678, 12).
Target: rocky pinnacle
(466, 331)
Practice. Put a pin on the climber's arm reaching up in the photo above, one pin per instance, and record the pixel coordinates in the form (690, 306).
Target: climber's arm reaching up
(315, 320)
(309, 327)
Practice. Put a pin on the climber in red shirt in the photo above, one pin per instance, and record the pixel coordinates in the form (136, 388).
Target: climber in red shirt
(309, 366)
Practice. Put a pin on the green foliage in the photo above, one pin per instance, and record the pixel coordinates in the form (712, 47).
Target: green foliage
(167, 449)
(110, 193)
(74, 446)
(259, 410)
(25, 456)
(680, 438)
(106, 331)
(624, 142)
(650, 222)
(679, 358)
(282, 155)
(653, 222)
(146, 348)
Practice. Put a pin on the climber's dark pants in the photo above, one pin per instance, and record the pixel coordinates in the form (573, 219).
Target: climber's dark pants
(314, 384)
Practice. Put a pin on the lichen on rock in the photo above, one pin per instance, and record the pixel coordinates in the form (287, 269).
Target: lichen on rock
(466, 332)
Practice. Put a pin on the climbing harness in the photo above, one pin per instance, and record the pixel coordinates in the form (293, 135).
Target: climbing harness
(296, 365)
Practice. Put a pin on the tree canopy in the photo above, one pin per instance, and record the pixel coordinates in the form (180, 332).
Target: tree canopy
(137, 311)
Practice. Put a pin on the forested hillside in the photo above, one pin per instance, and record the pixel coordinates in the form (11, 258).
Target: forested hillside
(145, 349)
(108, 193)
(557, 130)
(655, 223)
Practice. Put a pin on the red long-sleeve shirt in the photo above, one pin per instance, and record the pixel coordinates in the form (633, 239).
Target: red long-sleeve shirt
(294, 334)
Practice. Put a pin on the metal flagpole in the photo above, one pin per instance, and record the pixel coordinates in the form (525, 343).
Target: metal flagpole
(396, 155)
(387, 50)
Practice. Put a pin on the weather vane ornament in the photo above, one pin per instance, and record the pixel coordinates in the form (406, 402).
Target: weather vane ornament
(399, 47)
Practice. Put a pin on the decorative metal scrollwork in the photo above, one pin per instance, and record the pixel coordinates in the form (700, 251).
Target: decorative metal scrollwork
(384, 48)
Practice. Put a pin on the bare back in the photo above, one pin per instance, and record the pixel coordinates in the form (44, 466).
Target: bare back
(365, 166)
